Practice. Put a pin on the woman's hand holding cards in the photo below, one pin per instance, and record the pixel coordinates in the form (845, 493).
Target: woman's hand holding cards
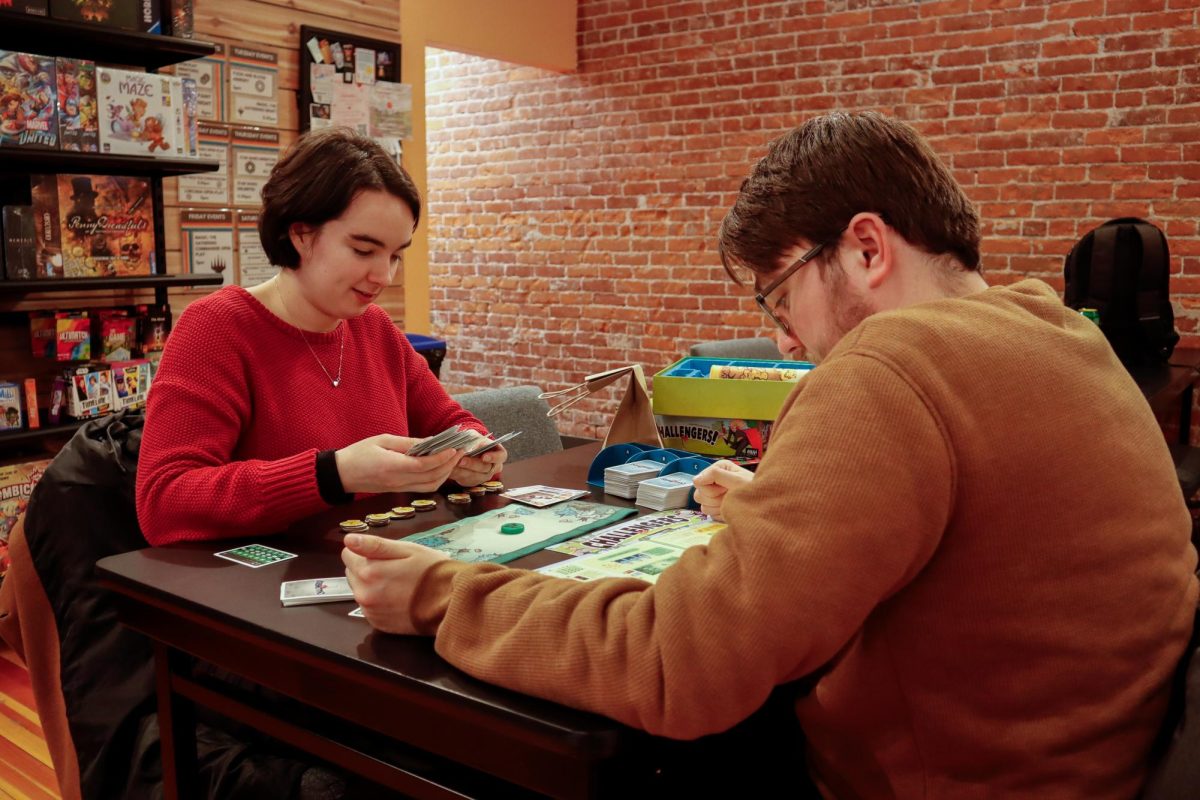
(474, 470)
(379, 464)
(383, 574)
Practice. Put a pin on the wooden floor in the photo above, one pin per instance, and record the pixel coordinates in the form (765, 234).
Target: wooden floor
(25, 770)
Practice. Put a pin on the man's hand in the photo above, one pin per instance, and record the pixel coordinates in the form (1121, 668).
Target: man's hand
(714, 482)
(383, 575)
(378, 464)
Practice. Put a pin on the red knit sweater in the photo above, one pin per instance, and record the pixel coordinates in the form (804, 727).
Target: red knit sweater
(239, 409)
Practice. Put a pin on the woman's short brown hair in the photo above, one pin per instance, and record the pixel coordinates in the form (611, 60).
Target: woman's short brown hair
(816, 178)
(317, 179)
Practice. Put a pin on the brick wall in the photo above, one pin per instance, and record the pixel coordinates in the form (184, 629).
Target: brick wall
(573, 218)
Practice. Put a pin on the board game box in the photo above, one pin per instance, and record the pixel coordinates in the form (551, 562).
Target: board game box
(28, 105)
(138, 112)
(16, 484)
(78, 117)
(105, 223)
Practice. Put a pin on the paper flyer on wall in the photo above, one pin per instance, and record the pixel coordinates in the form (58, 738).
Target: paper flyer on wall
(209, 75)
(391, 110)
(254, 152)
(352, 106)
(253, 265)
(253, 76)
(206, 239)
(480, 538)
(210, 188)
(643, 558)
(623, 533)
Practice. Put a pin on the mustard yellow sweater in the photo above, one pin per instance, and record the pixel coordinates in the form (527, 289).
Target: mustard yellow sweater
(967, 513)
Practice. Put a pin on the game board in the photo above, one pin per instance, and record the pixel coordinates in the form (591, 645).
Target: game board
(479, 538)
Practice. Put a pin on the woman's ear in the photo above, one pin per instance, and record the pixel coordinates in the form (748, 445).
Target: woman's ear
(302, 236)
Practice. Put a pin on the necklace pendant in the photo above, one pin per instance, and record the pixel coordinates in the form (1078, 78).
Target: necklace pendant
(336, 382)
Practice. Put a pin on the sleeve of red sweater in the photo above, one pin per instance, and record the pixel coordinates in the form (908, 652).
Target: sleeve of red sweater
(848, 506)
(188, 486)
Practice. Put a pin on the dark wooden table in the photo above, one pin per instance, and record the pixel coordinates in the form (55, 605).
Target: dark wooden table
(347, 689)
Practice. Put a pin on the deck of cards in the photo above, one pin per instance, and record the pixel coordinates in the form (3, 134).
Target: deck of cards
(314, 590)
(665, 491)
(458, 437)
(623, 479)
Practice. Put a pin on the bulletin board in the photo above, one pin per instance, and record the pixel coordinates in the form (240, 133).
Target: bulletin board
(338, 86)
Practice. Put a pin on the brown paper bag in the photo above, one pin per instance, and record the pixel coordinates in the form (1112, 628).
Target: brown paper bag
(634, 421)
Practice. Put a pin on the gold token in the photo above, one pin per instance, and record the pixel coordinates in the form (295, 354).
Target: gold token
(461, 499)
(424, 505)
(378, 520)
(493, 486)
(353, 525)
(475, 491)
(403, 512)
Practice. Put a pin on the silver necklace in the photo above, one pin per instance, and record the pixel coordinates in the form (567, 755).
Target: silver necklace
(341, 343)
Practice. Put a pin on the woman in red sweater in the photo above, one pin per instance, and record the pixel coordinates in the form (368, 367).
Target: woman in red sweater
(275, 402)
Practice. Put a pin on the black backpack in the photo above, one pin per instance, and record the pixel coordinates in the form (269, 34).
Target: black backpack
(1122, 269)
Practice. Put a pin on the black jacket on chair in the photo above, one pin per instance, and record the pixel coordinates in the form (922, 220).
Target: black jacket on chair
(80, 511)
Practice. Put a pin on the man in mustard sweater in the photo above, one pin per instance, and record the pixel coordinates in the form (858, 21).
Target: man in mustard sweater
(967, 520)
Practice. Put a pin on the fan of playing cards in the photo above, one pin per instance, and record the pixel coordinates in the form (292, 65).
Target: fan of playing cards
(459, 437)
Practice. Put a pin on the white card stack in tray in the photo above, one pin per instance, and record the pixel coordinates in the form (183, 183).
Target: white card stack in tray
(623, 479)
(458, 437)
(665, 491)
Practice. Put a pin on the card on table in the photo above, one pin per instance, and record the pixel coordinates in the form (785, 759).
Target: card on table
(542, 496)
(255, 555)
(358, 612)
(315, 590)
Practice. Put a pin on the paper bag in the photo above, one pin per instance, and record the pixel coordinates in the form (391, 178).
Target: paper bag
(634, 421)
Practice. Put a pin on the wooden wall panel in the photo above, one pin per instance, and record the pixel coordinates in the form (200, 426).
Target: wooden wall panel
(263, 23)
(385, 15)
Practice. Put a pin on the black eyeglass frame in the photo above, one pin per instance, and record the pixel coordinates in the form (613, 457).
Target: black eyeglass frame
(761, 297)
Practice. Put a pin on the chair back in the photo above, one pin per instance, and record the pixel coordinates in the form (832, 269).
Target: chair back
(737, 348)
(515, 408)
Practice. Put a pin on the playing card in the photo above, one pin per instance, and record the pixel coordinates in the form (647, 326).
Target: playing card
(488, 445)
(314, 590)
(255, 555)
(454, 437)
(542, 496)
(358, 612)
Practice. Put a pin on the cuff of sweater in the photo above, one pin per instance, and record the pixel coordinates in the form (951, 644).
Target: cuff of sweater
(293, 486)
(431, 596)
(329, 480)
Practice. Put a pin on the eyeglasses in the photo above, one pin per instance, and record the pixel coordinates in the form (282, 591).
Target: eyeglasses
(761, 297)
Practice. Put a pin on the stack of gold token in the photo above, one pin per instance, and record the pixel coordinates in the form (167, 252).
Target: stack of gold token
(378, 520)
(459, 498)
(476, 491)
(403, 512)
(353, 525)
(493, 486)
(424, 505)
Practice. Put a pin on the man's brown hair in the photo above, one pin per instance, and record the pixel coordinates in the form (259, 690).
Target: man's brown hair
(317, 179)
(814, 179)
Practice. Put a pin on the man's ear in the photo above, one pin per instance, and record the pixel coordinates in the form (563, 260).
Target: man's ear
(871, 249)
(302, 238)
